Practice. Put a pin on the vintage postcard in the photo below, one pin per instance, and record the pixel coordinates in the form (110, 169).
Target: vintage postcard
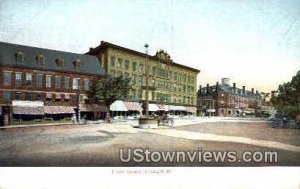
(147, 86)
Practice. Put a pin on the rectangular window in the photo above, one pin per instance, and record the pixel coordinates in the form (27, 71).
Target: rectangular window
(48, 81)
(6, 95)
(18, 79)
(112, 61)
(18, 96)
(38, 96)
(28, 96)
(134, 66)
(67, 83)
(28, 79)
(57, 82)
(140, 80)
(141, 68)
(86, 84)
(76, 83)
(39, 81)
(126, 65)
(7, 78)
(133, 80)
(120, 60)
(153, 71)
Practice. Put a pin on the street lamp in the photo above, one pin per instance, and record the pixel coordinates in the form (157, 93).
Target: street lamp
(147, 77)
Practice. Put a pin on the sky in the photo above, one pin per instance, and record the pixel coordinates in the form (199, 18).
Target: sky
(255, 43)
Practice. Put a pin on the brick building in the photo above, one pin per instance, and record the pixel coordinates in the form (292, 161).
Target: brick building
(38, 84)
(170, 84)
(226, 100)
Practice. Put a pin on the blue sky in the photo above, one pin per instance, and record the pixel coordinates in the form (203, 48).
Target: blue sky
(255, 43)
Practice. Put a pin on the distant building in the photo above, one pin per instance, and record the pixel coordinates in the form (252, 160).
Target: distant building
(38, 84)
(226, 100)
(170, 83)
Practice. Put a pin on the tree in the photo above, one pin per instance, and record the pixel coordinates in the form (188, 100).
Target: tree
(287, 99)
(109, 89)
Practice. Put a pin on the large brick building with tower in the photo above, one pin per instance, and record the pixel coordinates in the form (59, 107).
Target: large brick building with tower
(40, 84)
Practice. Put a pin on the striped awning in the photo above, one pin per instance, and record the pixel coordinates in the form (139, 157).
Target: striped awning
(160, 107)
(153, 107)
(177, 108)
(118, 106)
(19, 110)
(133, 106)
(48, 95)
(59, 110)
(191, 109)
(57, 96)
(92, 108)
(67, 96)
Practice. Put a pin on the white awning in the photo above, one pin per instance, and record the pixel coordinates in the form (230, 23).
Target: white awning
(177, 108)
(153, 108)
(211, 110)
(118, 106)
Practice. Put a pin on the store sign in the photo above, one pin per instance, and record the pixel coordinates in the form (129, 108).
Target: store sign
(27, 103)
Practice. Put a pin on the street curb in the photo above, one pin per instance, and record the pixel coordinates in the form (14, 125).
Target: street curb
(30, 126)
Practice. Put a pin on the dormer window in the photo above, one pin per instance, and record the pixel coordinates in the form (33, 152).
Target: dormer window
(20, 57)
(59, 62)
(77, 63)
(40, 59)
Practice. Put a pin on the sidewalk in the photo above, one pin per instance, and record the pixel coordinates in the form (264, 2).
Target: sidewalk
(134, 123)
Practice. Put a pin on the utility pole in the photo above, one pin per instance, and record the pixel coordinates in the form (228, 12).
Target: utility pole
(147, 86)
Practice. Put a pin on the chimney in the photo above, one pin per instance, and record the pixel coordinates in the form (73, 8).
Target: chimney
(200, 89)
(252, 90)
(244, 91)
(256, 92)
(207, 88)
(91, 49)
(234, 88)
(217, 86)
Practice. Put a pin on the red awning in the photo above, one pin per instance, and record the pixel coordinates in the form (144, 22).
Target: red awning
(59, 109)
(133, 106)
(92, 108)
(28, 110)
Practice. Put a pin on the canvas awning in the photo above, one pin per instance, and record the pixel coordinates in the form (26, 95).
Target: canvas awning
(48, 95)
(160, 107)
(57, 96)
(133, 106)
(19, 110)
(92, 108)
(118, 106)
(67, 96)
(59, 110)
(153, 108)
(191, 109)
(177, 108)
(211, 110)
